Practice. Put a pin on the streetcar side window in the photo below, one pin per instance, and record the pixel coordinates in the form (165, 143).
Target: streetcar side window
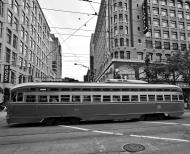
(151, 98)
(106, 98)
(125, 98)
(96, 98)
(54, 98)
(42, 98)
(167, 97)
(76, 98)
(143, 98)
(13, 96)
(65, 98)
(181, 97)
(134, 98)
(20, 97)
(160, 98)
(174, 97)
(116, 98)
(86, 98)
(30, 98)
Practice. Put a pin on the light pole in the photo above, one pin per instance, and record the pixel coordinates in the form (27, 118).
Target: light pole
(87, 78)
(81, 65)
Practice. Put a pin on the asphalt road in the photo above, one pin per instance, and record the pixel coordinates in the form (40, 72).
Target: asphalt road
(152, 137)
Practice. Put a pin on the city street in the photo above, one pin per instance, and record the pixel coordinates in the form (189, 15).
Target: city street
(151, 137)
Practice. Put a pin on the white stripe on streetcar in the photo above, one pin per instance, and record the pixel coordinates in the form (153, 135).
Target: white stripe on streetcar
(161, 138)
(78, 128)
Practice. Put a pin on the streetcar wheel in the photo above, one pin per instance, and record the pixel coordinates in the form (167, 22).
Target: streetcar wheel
(74, 121)
(49, 122)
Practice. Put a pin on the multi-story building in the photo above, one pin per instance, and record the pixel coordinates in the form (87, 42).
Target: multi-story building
(24, 43)
(127, 31)
(55, 56)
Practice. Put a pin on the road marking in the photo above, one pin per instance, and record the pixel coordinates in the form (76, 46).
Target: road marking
(95, 131)
(104, 132)
(161, 138)
(79, 128)
(168, 123)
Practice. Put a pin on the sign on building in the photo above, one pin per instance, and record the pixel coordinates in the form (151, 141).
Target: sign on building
(145, 16)
(6, 73)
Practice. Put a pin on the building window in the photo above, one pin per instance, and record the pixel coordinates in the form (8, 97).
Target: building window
(179, 4)
(23, 18)
(183, 47)
(155, 1)
(127, 42)
(120, 17)
(149, 33)
(188, 26)
(164, 12)
(121, 54)
(13, 77)
(165, 23)
(187, 16)
(149, 44)
(121, 41)
(128, 55)
(16, 7)
(8, 55)
(22, 32)
(9, 36)
(175, 46)
(155, 11)
(156, 22)
(159, 57)
(1, 28)
(163, 2)
(20, 62)
(1, 8)
(158, 45)
(171, 3)
(182, 36)
(116, 55)
(21, 47)
(167, 45)
(157, 34)
(180, 14)
(116, 42)
(172, 13)
(0, 50)
(173, 24)
(187, 6)
(174, 35)
(15, 41)
(181, 25)
(9, 17)
(14, 58)
(140, 56)
(15, 24)
(166, 34)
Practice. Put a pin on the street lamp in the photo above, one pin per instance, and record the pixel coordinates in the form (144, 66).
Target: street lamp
(81, 65)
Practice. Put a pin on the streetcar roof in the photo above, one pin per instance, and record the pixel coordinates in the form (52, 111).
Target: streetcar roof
(90, 85)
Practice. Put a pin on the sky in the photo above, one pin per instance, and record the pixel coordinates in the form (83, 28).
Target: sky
(66, 17)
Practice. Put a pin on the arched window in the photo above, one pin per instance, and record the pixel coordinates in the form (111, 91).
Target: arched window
(116, 54)
(187, 5)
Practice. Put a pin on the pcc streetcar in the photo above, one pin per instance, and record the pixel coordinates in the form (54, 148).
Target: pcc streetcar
(57, 102)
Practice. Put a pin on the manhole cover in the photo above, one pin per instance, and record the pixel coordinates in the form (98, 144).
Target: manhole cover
(133, 147)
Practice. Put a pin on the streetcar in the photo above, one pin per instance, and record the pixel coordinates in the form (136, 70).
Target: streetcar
(64, 102)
